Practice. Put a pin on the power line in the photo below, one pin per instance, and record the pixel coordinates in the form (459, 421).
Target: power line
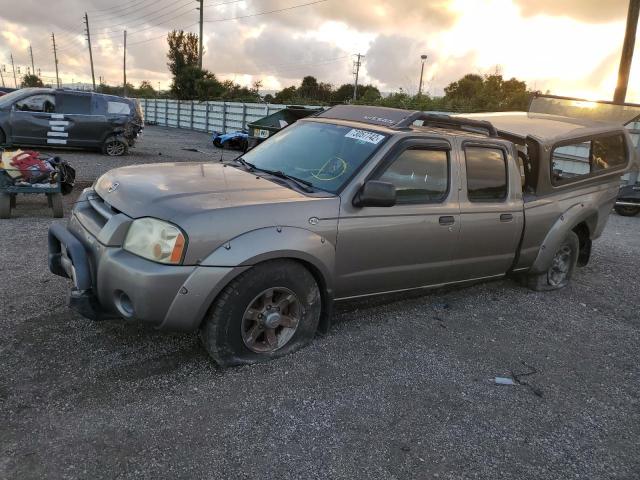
(118, 9)
(154, 18)
(237, 18)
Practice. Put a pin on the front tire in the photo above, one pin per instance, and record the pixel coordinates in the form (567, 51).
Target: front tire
(267, 312)
(627, 210)
(561, 269)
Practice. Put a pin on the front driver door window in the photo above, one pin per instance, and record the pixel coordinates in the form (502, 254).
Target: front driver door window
(30, 119)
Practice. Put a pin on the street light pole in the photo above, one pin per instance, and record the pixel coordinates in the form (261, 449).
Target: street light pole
(424, 58)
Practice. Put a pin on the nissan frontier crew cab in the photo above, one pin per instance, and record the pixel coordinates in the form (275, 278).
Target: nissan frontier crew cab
(354, 201)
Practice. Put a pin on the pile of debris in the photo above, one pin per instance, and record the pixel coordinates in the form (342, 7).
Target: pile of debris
(29, 169)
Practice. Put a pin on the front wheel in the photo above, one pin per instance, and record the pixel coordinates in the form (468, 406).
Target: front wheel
(561, 269)
(267, 312)
(627, 210)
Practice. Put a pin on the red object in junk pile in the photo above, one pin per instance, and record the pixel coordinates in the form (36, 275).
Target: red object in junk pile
(30, 165)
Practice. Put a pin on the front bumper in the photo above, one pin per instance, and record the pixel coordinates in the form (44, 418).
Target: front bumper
(109, 282)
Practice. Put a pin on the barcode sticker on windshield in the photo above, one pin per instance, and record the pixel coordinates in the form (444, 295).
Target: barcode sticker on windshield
(365, 136)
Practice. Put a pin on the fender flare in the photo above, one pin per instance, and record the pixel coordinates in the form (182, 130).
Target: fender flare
(567, 221)
(271, 243)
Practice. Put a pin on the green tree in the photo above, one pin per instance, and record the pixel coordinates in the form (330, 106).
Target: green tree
(286, 95)
(31, 80)
(183, 64)
(486, 93)
(145, 90)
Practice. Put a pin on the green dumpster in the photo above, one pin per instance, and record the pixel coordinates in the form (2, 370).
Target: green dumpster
(264, 128)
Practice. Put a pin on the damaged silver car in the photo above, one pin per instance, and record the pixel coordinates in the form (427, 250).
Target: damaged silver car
(355, 201)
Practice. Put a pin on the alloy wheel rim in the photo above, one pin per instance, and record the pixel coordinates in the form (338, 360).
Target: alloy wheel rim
(560, 266)
(115, 148)
(271, 320)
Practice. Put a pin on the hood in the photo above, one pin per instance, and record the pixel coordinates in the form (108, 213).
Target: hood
(171, 191)
(213, 203)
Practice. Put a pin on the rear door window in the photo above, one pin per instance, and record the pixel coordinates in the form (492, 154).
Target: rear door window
(420, 175)
(486, 174)
(74, 104)
(37, 103)
(118, 108)
(580, 160)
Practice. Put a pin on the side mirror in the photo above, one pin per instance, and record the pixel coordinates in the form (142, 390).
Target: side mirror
(375, 194)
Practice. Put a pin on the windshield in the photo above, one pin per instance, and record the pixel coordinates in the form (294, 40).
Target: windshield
(10, 97)
(322, 154)
(623, 114)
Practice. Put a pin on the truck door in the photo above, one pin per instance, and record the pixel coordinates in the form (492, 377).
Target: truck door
(382, 249)
(491, 212)
(30, 119)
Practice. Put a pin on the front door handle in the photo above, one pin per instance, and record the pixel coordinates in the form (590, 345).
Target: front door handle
(447, 220)
(506, 217)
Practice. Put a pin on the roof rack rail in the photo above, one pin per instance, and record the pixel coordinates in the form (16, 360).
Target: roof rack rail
(447, 121)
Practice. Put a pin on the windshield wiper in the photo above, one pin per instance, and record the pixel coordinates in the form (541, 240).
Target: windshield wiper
(303, 184)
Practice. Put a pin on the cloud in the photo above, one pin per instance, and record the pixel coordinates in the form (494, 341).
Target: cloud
(596, 11)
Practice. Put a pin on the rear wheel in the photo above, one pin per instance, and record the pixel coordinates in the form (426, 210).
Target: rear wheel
(217, 142)
(627, 210)
(562, 266)
(5, 205)
(3, 137)
(115, 147)
(267, 312)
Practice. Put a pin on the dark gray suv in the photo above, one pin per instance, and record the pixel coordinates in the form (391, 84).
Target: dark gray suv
(69, 118)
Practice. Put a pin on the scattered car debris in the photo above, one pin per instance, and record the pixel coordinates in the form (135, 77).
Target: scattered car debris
(504, 381)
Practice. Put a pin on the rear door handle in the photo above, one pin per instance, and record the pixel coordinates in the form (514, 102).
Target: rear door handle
(506, 217)
(447, 220)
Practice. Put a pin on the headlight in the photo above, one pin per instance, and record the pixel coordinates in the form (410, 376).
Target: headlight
(155, 240)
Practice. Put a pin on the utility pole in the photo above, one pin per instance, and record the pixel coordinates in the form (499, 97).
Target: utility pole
(124, 66)
(13, 66)
(356, 72)
(424, 58)
(33, 67)
(627, 52)
(2, 76)
(55, 58)
(93, 75)
(200, 51)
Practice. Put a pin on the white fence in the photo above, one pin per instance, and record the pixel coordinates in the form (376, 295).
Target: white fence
(204, 116)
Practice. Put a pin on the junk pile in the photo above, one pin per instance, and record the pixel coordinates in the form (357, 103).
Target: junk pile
(29, 172)
(29, 169)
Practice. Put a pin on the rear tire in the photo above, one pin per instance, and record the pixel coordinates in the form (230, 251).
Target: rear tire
(3, 138)
(115, 147)
(267, 312)
(217, 143)
(5, 205)
(626, 210)
(56, 205)
(562, 267)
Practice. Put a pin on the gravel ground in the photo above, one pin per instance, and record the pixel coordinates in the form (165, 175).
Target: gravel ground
(401, 387)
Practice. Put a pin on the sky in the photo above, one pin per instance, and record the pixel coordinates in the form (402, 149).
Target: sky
(568, 47)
